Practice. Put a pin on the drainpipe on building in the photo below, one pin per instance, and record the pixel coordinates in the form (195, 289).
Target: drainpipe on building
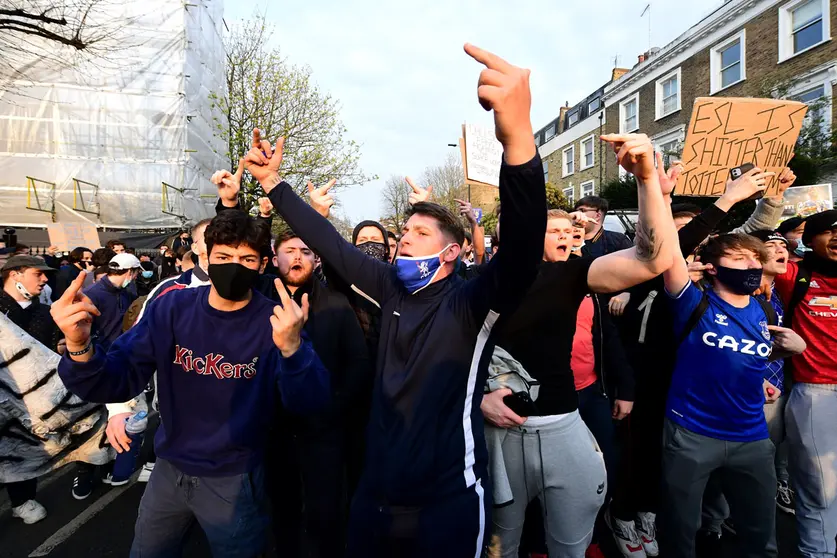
(601, 148)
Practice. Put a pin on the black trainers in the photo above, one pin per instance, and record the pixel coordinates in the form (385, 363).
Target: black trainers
(785, 498)
(83, 485)
(708, 544)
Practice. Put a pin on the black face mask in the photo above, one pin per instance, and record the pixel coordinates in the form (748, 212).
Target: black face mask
(376, 250)
(739, 281)
(232, 281)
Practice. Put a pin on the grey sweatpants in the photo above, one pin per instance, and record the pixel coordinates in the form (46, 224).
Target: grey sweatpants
(748, 479)
(715, 507)
(558, 462)
(812, 433)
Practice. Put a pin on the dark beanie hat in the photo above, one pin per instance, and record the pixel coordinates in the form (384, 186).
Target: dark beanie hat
(819, 223)
(375, 224)
(766, 235)
(789, 224)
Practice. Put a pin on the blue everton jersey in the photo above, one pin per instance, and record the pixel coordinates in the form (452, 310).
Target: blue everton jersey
(716, 390)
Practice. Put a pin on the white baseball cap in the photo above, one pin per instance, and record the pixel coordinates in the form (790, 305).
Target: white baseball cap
(124, 262)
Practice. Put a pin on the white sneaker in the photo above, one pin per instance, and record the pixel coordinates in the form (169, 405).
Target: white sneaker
(145, 473)
(625, 536)
(647, 530)
(30, 512)
(109, 480)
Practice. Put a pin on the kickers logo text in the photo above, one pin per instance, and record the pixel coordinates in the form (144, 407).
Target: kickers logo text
(213, 364)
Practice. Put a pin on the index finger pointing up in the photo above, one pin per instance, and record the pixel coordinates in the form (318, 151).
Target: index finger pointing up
(484, 57)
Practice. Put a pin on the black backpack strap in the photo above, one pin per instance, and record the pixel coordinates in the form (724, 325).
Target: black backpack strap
(695, 317)
(769, 311)
(800, 288)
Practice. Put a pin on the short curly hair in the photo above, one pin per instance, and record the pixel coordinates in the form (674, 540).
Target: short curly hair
(233, 228)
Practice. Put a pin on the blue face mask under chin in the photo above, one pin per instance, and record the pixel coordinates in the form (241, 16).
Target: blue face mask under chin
(416, 273)
(147, 274)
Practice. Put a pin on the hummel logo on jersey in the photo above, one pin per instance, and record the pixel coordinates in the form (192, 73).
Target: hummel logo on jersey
(743, 346)
(211, 364)
(721, 319)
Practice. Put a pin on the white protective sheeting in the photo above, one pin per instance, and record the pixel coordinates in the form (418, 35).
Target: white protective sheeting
(128, 125)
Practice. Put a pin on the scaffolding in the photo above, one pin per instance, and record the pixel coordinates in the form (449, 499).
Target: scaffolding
(100, 142)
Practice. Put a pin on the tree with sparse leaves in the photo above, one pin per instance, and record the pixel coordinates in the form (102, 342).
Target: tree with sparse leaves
(266, 91)
(555, 198)
(58, 34)
(395, 202)
(447, 180)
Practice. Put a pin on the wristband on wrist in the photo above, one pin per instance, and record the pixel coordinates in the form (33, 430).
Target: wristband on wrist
(84, 351)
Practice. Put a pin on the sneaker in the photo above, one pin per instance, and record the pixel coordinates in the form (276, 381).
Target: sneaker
(594, 551)
(145, 472)
(707, 544)
(785, 498)
(729, 526)
(82, 486)
(109, 480)
(625, 536)
(646, 528)
(30, 512)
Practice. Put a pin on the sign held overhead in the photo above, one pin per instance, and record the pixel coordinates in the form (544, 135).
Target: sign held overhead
(67, 236)
(483, 155)
(724, 133)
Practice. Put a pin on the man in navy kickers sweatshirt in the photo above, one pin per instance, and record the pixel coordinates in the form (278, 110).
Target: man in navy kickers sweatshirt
(422, 492)
(221, 352)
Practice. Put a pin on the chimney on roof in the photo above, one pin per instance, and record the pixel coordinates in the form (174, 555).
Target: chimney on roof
(618, 73)
(562, 116)
(640, 58)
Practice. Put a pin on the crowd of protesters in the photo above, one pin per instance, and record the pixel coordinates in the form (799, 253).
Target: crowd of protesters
(410, 393)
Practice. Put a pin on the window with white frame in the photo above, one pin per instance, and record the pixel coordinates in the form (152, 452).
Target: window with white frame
(803, 24)
(572, 119)
(587, 155)
(728, 62)
(818, 106)
(569, 160)
(587, 188)
(629, 114)
(668, 94)
(546, 171)
(568, 193)
(670, 144)
(594, 105)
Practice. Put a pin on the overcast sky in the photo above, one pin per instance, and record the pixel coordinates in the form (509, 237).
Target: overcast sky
(406, 86)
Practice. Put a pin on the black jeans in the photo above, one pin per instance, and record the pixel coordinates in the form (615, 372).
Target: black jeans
(21, 492)
(306, 484)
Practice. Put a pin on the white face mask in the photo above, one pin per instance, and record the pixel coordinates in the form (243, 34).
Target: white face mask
(22, 290)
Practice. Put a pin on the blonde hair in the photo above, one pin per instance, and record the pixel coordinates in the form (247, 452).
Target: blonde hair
(558, 214)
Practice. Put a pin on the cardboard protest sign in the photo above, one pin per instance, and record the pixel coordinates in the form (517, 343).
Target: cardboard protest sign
(804, 201)
(483, 155)
(67, 236)
(725, 133)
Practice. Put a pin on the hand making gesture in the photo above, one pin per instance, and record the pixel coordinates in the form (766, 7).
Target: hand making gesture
(418, 194)
(668, 179)
(321, 199)
(504, 88)
(287, 321)
(73, 314)
(263, 161)
(467, 211)
(229, 184)
(635, 154)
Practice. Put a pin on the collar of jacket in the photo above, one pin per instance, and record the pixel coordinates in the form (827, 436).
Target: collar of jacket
(597, 236)
(820, 265)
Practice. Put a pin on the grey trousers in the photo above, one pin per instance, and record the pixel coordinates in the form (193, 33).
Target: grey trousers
(231, 510)
(560, 463)
(746, 475)
(715, 507)
(812, 433)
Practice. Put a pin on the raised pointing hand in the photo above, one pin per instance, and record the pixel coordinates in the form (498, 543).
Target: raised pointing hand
(321, 198)
(263, 162)
(73, 314)
(635, 154)
(418, 193)
(229, 184)
(504, 88)
(287, 320)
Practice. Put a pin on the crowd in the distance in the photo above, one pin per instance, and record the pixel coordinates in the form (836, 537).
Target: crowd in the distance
(410, 393)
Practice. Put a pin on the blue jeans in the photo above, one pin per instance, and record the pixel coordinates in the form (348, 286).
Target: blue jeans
(230, 510)
(810, 419)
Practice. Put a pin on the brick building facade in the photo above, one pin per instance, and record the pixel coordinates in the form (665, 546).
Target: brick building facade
(745, 48)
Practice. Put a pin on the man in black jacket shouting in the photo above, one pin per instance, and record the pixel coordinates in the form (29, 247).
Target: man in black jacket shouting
(422, 491)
